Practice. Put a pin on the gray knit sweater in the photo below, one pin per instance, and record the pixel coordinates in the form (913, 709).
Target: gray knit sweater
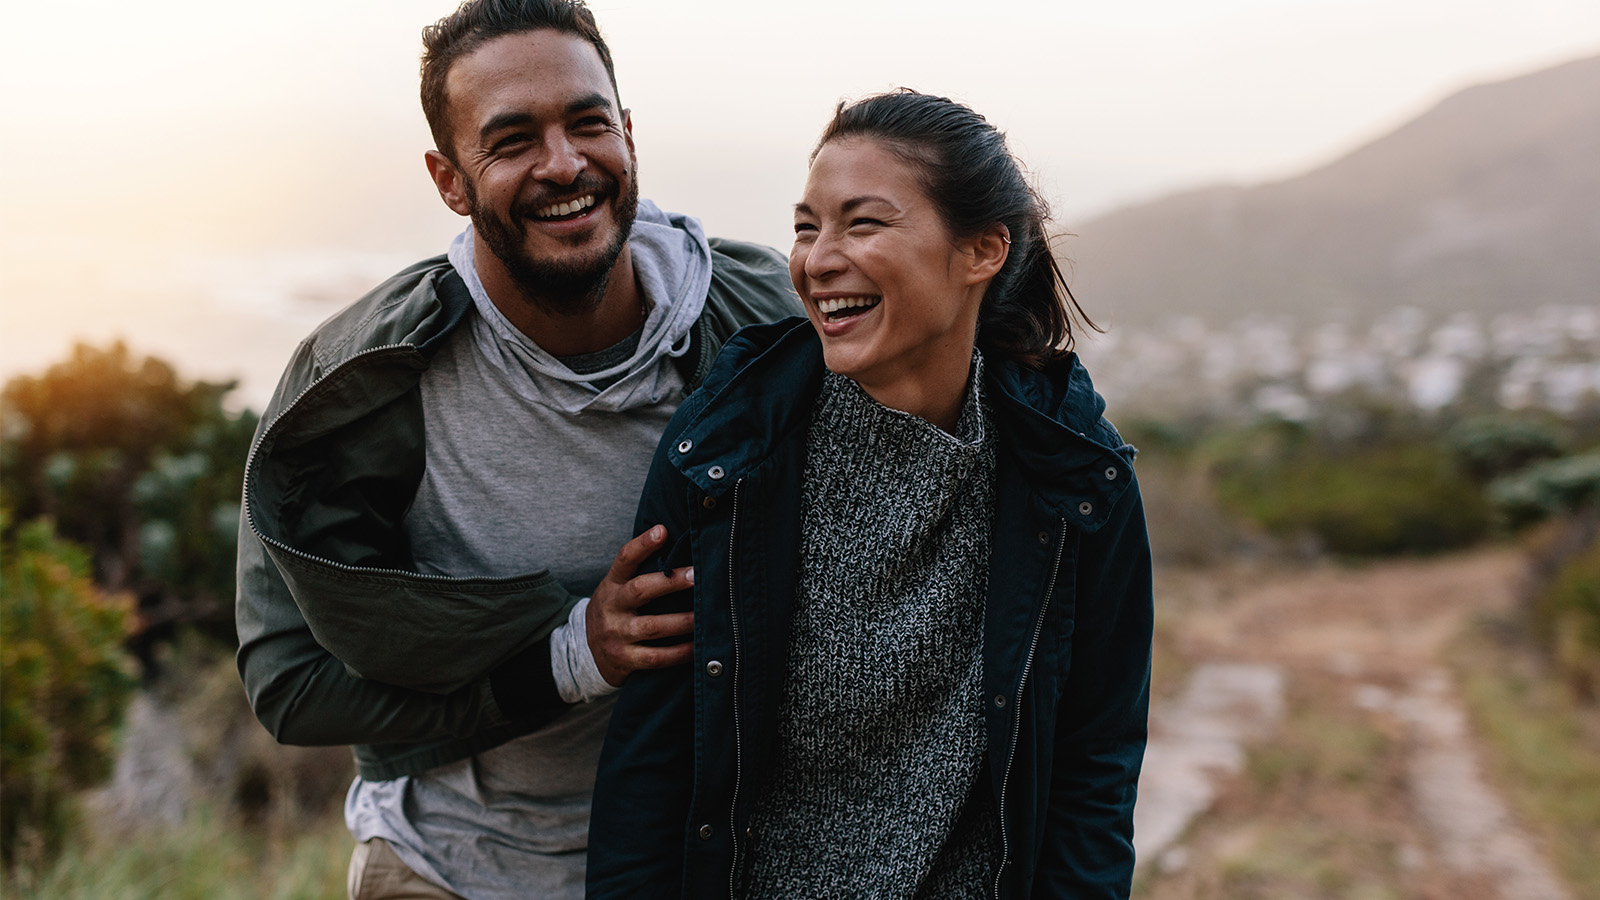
(875, 791)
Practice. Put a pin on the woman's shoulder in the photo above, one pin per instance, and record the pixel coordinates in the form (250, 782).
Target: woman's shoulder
(1060, 391)
(789, 342)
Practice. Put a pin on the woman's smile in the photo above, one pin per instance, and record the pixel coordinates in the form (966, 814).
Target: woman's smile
(888, 288)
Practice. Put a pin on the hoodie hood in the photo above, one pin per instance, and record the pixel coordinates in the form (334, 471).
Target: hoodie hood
(672, 262)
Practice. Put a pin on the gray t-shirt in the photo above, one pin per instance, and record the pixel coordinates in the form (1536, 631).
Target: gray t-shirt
(530, 465)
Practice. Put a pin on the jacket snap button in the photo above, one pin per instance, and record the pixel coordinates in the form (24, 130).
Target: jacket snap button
(1085, 507)
(685, 446)
(705, 832)
(714, 668)
(1000, 700)
(716, 473)
(709, 503)
(1111, 473)
(1044, 538)
(749, 834)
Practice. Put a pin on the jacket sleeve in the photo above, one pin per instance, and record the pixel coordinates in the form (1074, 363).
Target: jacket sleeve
(1101, 720)
(305, 695)
(645, 783)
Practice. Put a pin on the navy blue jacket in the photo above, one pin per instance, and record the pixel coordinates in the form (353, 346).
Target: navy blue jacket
(1066, 632)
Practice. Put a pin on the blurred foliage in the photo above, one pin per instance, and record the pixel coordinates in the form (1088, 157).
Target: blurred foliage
(1563, 597)
(67, 682)
(1488, 447)
(139, 466)
(1548, 489)
(208, 858)
(1354, 498)
(1571, 609)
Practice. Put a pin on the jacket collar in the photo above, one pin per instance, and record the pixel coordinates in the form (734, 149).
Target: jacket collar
(762, 387)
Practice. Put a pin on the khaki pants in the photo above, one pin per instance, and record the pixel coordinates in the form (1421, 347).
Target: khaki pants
(376, 873)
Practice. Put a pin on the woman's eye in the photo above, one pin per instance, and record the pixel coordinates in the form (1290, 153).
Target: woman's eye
(864, 221)
(804, 228)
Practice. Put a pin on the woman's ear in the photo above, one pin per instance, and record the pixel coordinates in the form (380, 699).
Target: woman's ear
(987, 253)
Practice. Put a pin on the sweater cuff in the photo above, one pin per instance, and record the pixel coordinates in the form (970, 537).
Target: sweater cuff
(572, 662)
(523, 686)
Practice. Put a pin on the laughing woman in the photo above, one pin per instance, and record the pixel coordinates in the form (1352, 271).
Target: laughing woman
(922, 602)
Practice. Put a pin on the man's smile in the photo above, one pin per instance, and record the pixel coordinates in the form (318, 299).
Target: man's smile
(568, 209)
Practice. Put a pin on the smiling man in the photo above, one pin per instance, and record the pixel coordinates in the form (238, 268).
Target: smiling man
(429, 566)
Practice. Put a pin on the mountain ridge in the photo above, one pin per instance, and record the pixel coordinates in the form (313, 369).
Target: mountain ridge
(1491, 197)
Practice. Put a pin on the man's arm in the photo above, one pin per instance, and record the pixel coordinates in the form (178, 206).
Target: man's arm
(303, 694)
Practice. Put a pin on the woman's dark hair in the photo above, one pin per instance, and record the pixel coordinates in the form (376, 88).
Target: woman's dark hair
(973, 180)
(477, 22)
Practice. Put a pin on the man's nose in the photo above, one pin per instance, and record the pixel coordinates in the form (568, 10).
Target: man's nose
(561, 161)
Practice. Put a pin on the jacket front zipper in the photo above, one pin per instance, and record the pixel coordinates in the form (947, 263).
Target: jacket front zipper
(1016, 706)
(268, 434)
(738, 670)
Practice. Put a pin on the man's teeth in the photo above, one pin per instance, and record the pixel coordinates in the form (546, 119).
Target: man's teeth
(829, 307)
(555, 210)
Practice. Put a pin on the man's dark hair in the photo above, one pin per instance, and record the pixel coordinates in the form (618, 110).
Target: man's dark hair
(973, 180)
(476, 23)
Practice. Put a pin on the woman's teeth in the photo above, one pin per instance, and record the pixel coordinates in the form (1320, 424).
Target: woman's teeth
(846, 306)
(556, 210)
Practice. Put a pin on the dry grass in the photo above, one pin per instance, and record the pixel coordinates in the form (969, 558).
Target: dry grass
(1541, 743)
(210, 858)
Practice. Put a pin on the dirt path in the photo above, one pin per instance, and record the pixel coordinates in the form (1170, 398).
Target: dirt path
(1370, 783)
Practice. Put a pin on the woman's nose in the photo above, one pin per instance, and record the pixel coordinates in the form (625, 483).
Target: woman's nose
(823, 257)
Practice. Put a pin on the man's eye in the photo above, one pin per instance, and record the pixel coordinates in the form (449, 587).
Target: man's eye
(804, 228)
(510, 141)
(593, 123)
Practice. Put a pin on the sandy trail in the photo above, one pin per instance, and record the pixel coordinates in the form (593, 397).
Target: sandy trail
(1373, 637)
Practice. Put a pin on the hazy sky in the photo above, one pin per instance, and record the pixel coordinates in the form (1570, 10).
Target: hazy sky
(210, 179)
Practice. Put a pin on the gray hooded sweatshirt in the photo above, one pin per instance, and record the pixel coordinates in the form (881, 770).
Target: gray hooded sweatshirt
(532, 465)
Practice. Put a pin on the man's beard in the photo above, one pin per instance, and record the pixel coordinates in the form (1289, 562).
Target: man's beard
(563, 287)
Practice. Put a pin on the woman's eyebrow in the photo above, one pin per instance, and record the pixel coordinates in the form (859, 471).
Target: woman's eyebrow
(864, 199)
(804, 209)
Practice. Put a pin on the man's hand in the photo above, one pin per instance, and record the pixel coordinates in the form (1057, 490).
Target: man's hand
(615, 628)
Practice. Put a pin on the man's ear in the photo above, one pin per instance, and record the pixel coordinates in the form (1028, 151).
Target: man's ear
(451, 183)
(987, 253)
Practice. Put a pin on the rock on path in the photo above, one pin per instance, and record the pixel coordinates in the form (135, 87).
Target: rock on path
(1197, 740)
(1477, 835)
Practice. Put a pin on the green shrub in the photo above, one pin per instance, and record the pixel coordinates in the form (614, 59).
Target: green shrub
(67, 681)
(140, 467)
(1489, 447)
(1548, 489)
(1569, 610)
(1367, 502)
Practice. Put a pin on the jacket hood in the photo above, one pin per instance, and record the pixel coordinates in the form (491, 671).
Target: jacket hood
(761, 388)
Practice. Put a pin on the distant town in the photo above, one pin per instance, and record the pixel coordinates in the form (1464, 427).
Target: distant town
(1273, 366)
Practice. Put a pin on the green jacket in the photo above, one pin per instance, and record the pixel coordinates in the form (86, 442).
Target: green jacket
(341, 641)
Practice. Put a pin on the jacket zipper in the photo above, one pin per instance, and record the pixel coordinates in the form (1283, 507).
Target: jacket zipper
(1016, 706)
(738, 669)
(249, 467)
